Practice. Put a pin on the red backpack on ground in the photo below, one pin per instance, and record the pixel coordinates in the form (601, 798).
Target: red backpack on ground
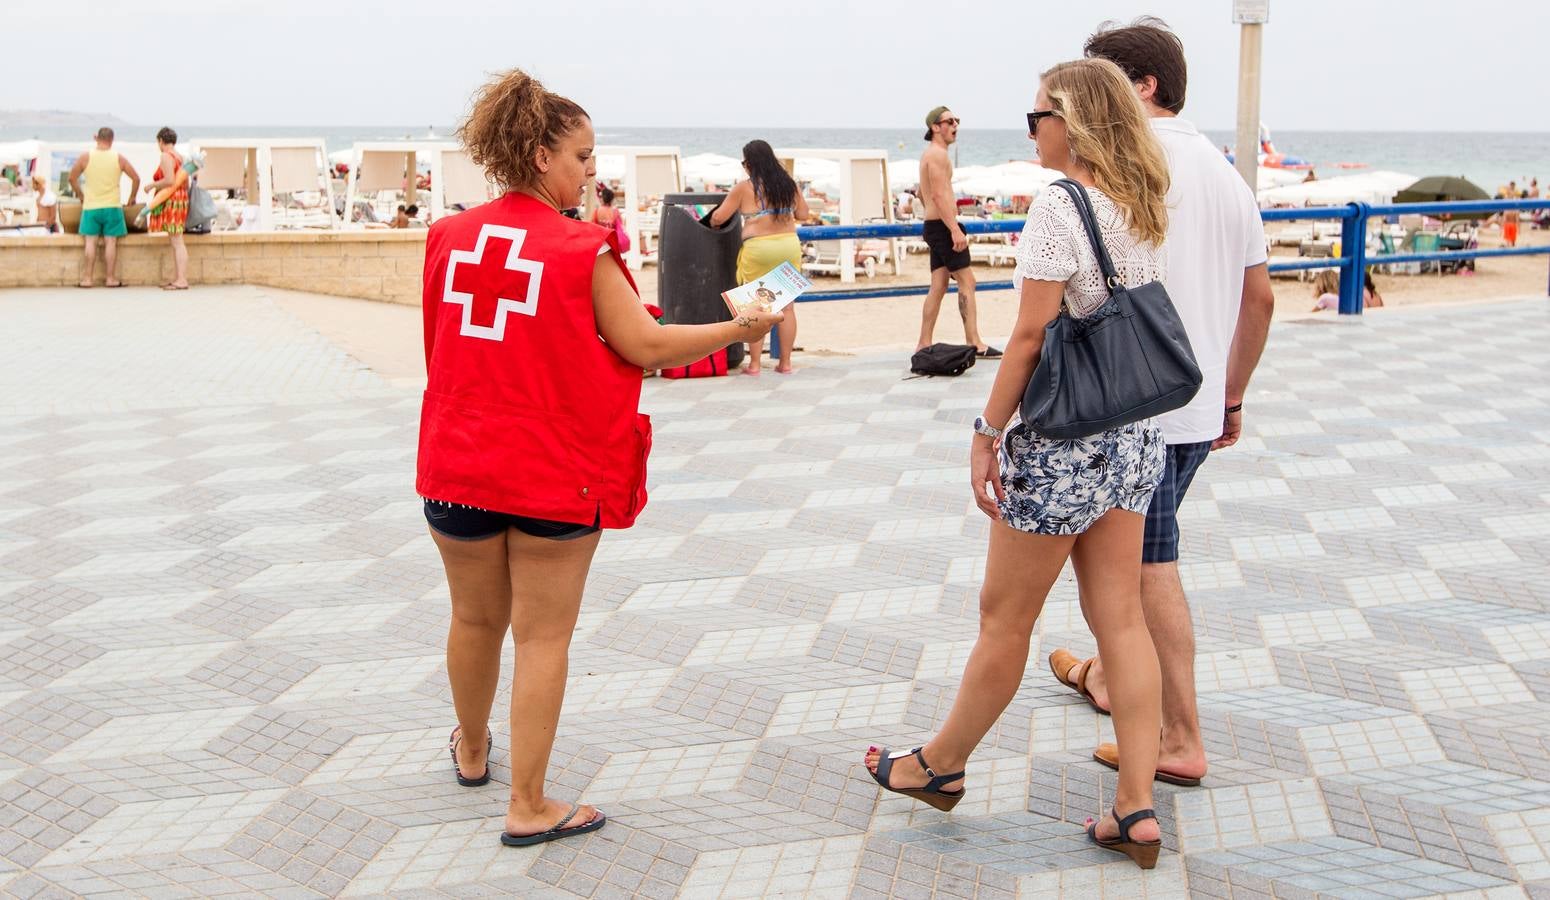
(712, 365)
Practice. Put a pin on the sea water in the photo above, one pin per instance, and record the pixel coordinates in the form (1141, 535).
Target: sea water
(1489, 159)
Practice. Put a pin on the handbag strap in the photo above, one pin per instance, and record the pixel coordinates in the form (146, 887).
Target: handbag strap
(1084, 208)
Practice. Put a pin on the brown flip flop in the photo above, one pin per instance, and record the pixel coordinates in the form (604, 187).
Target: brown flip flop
(1061, 662)
(1108, 755)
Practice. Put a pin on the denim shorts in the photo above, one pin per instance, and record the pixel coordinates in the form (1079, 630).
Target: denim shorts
(470, 523)
(1161, 543)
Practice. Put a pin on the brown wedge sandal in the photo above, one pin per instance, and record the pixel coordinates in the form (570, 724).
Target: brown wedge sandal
(1143, 853)
(931, 793)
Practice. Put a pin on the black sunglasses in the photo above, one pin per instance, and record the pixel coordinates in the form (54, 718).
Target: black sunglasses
(948, 121)
(1035, 116)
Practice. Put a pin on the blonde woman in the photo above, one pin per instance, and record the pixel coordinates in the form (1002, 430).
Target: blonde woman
(1082, 499)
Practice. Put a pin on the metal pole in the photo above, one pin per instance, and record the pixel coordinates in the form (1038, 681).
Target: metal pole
(1247, 153)
(1353, 246)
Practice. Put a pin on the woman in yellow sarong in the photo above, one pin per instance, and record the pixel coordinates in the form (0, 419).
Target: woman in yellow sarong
(771, 204)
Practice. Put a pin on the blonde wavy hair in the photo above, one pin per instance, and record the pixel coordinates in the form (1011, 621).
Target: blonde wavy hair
(1109, 134)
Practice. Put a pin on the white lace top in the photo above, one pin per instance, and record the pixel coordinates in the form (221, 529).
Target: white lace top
(1054, 247)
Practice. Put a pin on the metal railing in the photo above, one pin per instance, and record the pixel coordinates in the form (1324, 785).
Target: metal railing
(1353, 218)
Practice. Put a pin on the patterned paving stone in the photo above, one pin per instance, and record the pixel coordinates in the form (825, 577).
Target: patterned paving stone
(1438, 811)
(222, 625)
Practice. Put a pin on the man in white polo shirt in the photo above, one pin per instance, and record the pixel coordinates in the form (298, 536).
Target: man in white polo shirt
(1216, 276)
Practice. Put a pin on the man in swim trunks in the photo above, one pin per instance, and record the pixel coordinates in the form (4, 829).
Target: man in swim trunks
(102, 209)
(949, 245)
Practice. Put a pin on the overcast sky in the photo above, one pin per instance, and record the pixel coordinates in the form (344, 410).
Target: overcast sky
(1408, 65)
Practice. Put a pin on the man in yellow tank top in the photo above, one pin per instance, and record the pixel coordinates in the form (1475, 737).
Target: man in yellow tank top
(102, 214)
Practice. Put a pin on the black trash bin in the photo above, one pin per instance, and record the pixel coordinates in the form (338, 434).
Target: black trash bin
(695, 263)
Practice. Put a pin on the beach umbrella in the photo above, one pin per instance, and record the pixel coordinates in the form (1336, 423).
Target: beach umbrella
(903, 173)
(712, 168)
(1441, 189)
(1365, 187)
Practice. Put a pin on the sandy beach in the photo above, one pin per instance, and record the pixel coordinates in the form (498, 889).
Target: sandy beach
(891, 323)
(386, 336)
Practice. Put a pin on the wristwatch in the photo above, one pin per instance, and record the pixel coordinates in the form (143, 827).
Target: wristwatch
(983, 427)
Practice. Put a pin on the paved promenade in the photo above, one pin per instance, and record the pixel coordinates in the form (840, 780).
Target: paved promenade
(221, 624)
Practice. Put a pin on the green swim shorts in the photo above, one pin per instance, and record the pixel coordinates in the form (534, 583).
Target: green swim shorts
(108, 221)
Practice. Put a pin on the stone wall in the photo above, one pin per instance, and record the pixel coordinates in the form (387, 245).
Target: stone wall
(374, 265)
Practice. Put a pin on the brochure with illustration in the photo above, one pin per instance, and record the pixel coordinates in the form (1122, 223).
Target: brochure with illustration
(771, 292)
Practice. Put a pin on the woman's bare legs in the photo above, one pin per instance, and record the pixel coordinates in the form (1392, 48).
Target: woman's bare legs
(787, 330)
(179, 261)
(547, 580)
(480, 581)
(1020, 568)
(1107, 559)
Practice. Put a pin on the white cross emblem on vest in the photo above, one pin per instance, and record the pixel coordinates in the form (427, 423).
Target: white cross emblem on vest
(491, 279)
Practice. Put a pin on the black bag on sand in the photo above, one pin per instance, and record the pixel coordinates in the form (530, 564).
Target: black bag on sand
(943, 359)
(1126, 361)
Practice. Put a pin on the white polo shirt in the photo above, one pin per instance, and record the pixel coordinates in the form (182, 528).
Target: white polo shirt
(1214, 233)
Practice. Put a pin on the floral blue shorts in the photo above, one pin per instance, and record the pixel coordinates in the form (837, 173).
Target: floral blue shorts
(1063, 487)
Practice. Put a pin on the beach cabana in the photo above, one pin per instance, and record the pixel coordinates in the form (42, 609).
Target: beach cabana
(456, 182)
(264, 167)
(645, 174)
(864, 193)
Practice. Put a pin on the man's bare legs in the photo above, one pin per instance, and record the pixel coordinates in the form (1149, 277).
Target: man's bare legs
(967, 311)
(932, 307)
(1173, 633)
(110, 256)
(89, 267)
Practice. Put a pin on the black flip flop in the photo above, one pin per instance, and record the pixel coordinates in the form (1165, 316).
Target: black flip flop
(453, 741)
(988, 353)
(557, 832)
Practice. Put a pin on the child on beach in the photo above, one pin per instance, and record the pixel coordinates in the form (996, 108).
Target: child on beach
(1326, 290)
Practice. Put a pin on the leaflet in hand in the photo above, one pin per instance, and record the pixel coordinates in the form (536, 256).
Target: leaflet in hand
(771, 292)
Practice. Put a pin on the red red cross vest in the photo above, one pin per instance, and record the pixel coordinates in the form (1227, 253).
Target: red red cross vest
(526, 410)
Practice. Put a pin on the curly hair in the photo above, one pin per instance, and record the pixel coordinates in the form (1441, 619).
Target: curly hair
(1109, 132)
(513, 116)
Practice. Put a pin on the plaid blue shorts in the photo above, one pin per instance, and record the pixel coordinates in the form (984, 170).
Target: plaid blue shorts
(1161, 543)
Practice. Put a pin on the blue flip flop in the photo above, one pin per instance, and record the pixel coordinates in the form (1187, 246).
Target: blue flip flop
(557, 832)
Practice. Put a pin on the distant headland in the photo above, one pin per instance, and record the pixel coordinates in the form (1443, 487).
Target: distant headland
(56, 118)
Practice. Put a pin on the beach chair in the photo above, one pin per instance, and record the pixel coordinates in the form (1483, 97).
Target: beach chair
(825, 260)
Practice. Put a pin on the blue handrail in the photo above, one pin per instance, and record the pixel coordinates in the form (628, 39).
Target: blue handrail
(1353, 219)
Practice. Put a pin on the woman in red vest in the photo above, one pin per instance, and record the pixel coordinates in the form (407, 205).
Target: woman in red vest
(530, 439)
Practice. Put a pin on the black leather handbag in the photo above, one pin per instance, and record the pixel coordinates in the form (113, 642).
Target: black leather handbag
(1128, 360)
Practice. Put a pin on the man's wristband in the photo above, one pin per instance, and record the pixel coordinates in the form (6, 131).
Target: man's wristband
(1236, 407)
